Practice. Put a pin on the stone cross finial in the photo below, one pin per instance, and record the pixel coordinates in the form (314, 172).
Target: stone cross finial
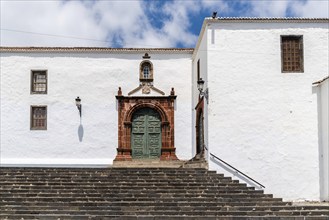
(146, 56)
(172, 92)
(119, 92)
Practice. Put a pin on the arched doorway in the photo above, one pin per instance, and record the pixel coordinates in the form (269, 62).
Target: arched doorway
(146, 134)
(200, 133)
(157, 138)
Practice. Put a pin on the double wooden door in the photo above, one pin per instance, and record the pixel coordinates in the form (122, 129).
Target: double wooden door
(146, 134)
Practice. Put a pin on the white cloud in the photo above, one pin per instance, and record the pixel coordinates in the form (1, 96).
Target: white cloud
(282, 8)
(52, 18)
(269, 8)
(129, 23)
(120, 23)
(311, 8)
(171, 28)
(219, 6)
(177, 28)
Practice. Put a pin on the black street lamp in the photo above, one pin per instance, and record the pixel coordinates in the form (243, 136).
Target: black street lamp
(78, 104)
(201, 88)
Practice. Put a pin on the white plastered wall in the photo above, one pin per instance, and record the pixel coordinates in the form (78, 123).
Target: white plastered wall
(322, 92)
(95, 78)
(201, 56)
(260, 120)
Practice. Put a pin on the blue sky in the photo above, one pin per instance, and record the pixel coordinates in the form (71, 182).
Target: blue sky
(131, 23)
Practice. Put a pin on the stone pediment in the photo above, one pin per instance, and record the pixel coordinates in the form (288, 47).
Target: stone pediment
(146, 89)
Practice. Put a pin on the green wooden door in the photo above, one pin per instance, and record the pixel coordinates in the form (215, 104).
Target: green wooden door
(146, 134)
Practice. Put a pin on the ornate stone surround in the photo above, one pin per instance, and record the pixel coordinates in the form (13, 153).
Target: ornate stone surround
(127, 105)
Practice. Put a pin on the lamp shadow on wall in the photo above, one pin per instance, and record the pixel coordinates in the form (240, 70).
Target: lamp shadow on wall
(80, 131)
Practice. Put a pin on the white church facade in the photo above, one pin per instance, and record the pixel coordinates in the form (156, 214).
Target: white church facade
(263, 107)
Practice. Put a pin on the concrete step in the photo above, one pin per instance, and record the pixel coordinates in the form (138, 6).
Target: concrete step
(164, 193)
(143, 198)
(158, 217)
(38, 192)
(167, 212)
(164, 207)
(149, 203)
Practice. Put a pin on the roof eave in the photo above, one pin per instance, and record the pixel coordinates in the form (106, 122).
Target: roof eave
(268, 19)
(94, 49)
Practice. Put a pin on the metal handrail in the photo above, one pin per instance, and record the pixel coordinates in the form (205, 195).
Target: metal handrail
(234, 168)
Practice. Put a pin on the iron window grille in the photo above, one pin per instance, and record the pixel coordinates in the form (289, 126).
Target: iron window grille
(146, 71)
(292, 54)
(38, 117)
(38, 82)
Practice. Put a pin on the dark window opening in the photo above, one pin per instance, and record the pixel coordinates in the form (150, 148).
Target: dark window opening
(38, 118)
(146, 71)
(39, 82)
(292, 53)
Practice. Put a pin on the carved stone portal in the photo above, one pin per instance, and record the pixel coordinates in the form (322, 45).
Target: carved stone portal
(128, 106)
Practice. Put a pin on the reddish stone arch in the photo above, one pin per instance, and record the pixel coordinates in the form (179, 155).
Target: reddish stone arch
(156, 106)
(199, 127)
(128, 105)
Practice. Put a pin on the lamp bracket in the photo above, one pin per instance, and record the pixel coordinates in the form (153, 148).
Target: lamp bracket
(80, 109)
(205, 94)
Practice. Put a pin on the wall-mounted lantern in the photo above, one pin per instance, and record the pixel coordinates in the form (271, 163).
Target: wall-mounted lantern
(78, 104)
(203, 93)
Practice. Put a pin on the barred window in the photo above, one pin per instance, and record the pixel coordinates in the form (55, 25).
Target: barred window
(38, 117)
(39, 82)
(292, 53)
(146, 71)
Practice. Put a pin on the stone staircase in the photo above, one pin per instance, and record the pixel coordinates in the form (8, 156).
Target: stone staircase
(138, 193)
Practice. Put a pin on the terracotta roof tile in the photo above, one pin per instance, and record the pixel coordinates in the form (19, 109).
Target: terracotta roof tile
(268, 19)
(93, 49)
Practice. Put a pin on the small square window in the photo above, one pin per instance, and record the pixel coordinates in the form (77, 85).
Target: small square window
(38, 82)
(292, 54)
(38, 117)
